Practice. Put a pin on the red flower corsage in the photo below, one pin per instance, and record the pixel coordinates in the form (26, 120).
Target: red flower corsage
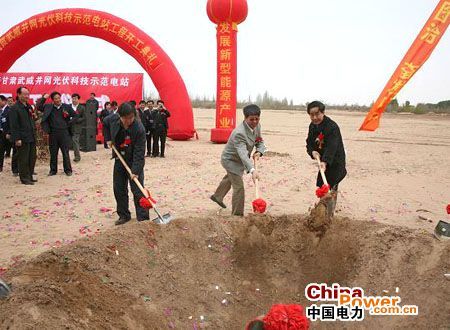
(321, 136)
(65, 114)
(259, 139)
(126, 142)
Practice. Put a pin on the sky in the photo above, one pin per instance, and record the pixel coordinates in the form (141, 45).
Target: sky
(340, 52)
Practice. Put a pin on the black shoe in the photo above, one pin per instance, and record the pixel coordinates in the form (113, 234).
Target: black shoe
(34, 180)
(140, 220)
(68, 173)
(148, 155)
(221, 204)
(1, 169)
(121, 221)
(51, 173)
(27, 182)
(106, 147)
(34, 173)
(162, 156)
(15, 174)
(76, 160)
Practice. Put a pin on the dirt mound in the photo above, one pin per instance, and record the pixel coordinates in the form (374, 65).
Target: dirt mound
(218, 273)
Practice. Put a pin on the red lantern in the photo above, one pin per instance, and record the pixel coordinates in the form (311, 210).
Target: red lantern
(227, 14)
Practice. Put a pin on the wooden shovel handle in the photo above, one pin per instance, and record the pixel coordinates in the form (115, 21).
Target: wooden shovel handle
(256, 181)
(322, 173)
(141, 188)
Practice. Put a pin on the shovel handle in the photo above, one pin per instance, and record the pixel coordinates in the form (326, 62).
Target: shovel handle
(322, 173)
(135, 180)
(256, 181)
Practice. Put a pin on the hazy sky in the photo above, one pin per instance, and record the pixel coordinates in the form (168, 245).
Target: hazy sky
(336, 51)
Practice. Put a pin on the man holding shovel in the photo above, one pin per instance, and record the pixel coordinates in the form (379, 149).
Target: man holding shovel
(236, 159)
(325, 142)
(127, 134)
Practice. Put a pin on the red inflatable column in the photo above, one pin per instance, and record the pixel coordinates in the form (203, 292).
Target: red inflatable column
(227, 14)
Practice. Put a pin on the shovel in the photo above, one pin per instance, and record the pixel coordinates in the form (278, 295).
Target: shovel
(259, 204)
(147, 201)
(322, 191)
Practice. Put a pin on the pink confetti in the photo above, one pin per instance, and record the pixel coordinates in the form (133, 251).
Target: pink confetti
(105, 209)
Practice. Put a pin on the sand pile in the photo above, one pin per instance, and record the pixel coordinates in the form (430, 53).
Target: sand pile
(218, 273)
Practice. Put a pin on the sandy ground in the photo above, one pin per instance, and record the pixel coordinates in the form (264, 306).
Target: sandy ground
(393, 173)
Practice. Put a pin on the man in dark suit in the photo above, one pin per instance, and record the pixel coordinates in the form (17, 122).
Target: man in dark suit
(324, 141)
(149, 125)
(3, 141)
(23, 135)
(92, 105)
(107, 110)
(6, 144)
(78, 124)
(57, 120)
(160, 131)
(128, 136)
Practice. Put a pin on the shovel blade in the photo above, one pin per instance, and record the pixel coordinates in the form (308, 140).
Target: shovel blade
(164, 219)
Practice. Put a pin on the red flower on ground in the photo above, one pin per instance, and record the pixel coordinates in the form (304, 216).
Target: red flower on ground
(286, 317)
(448, 209)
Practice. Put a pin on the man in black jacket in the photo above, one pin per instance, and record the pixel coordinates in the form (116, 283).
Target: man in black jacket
(325, 141)
(149, 125)
(80, 110)
(23, 135)
(128, 136)
(107, 110)
(160, 131)
(3, 140)
(6, 145)
(57, 120)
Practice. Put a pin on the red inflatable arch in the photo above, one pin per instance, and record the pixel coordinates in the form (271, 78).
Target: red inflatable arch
(77, 21)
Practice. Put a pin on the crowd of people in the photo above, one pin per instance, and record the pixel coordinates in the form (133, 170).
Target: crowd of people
(64, 125)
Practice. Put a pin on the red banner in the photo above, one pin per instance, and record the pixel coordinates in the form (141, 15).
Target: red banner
(417, 55)
(107, 87)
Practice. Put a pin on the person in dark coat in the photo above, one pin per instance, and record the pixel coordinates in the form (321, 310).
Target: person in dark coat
(5, 136)
(325, 141)
(57, 121)
(3, 140)
(149, 125)
(80, 110)
(160, 131)
(107, 110)
(92, 105)
(23, 135)
(127, 134)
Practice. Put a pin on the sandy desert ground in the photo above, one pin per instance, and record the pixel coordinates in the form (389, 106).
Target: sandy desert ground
(393, 172)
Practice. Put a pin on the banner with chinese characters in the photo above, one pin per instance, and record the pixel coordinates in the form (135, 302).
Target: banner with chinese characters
(107, 87)
(44, 26)
(416, 56)
(226, 82)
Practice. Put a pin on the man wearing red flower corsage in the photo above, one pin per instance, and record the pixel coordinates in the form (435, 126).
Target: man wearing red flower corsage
(57, 121)
(325, 141)
(128, 136)
(236, 159)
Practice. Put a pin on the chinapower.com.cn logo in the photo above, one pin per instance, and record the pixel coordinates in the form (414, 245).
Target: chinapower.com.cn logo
(350, 304)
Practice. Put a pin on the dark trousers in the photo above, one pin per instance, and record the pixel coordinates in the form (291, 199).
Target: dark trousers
(334, 175)
(120, 184)
(14, 162)
(59, 140)
(105, 145)
(159, 135)
(3, 142)
(8, 148)
(26, 160)
(149, 136)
